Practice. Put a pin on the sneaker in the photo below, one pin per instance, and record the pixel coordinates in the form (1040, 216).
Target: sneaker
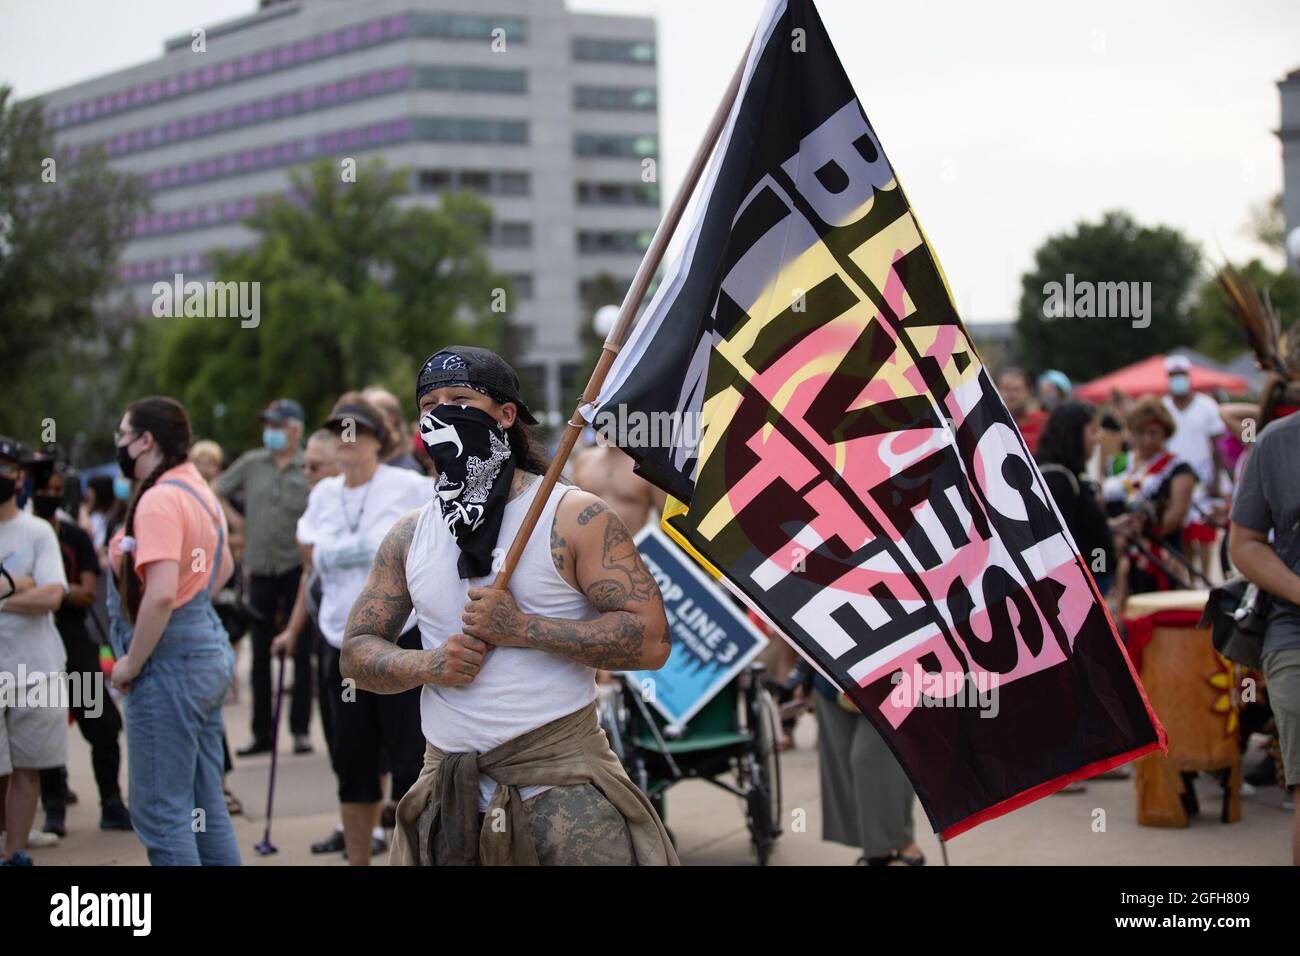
(253, 748)
(56, 821)
(113, 815)
(18, 859)
(302, 744)
(331, 844)
(39, 838)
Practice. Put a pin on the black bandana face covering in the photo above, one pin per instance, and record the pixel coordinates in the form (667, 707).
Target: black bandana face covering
(475, 467)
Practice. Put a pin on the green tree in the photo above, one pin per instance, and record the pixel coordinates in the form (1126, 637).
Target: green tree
(1266, 224)
(63, 222)
(1116, 249)
(1216, 333)
(354, 288)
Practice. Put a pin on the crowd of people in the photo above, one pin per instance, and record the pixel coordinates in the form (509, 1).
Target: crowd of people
(187, 553)
(1152, 490)
(1142, 483)
(1179, 492)
(304, 546)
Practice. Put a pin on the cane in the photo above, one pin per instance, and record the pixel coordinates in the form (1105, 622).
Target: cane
(266, 847)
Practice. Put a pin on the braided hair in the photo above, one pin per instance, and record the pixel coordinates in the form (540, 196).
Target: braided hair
(165, 419)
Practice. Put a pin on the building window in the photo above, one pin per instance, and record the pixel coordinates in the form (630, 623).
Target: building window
(470, 130)
(617, 242)
(595, 291)
(288, 104)
(532, 379)
(376, 135)
(433, 180)
(512, 235)
(521, 283)
(614, 98)
(490, 183)
(456, 26)
(239, 69)
(591, 49)
(513, 184)
(573, 379)
(617, 194)
(476, 181)
(618, 146)
(473, 79)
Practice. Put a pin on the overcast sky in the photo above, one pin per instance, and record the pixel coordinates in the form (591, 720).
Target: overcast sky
(1006, 121)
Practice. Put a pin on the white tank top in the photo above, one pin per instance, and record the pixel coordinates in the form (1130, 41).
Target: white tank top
(518, 689)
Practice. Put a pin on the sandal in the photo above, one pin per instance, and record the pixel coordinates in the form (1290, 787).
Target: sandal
(233, 806)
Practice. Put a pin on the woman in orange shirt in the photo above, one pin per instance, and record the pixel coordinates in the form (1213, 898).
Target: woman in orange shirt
(174, 661)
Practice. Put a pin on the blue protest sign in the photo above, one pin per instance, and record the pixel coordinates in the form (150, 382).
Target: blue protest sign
(713, 639)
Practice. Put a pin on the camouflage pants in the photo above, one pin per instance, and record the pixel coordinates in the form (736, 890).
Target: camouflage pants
(572, 826)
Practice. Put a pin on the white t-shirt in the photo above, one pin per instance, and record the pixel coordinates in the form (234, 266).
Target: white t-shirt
(518, 688)
(342, 556)
(30, 548)
(1195, 426)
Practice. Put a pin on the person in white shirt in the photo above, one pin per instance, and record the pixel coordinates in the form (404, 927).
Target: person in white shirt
(1197, 427)
(33, 731)
(517, 769)
(346, 519)
(1197, 424)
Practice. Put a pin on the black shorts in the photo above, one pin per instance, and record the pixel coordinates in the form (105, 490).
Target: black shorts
(369, 726)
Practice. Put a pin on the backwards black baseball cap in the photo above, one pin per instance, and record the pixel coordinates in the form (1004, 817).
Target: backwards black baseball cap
(480, 369)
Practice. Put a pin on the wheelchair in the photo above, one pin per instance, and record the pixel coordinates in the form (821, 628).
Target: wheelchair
(732, 742)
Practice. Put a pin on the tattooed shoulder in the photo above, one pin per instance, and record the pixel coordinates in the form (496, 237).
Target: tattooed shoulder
(615, 575)
(591, 511)
(384, 603)
(392, 550)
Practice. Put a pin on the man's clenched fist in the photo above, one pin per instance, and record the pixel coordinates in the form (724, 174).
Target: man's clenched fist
(457, 661)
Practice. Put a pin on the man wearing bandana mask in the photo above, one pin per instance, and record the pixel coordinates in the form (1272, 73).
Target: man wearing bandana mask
(517, 770)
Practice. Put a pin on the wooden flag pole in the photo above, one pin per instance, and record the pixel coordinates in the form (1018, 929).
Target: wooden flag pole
(626, 319)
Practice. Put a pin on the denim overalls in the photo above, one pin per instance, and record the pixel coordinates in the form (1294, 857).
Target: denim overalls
(174, 728)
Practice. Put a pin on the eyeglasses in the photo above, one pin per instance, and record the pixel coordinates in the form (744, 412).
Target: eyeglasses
(119, 434)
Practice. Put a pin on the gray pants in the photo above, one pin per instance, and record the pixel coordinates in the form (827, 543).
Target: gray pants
(1282, 669)
(866, 797)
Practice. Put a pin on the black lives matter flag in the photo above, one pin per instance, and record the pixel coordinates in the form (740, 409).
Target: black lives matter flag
(802, 385)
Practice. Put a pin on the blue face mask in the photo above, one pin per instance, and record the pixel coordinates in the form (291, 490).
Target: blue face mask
(1179, 384)
(121, 488)
(274, 439)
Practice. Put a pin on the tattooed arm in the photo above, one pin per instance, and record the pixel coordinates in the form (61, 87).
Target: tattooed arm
(592, 550)
(370, 654)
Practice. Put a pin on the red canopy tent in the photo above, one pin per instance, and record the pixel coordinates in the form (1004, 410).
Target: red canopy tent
(1148, 378)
